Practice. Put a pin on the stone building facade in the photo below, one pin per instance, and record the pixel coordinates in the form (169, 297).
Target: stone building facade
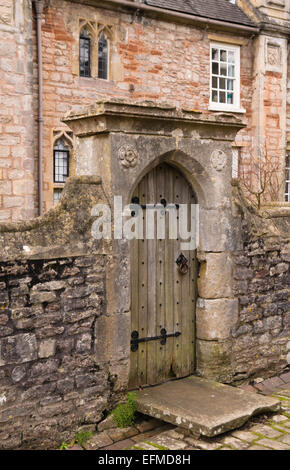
(154, 54)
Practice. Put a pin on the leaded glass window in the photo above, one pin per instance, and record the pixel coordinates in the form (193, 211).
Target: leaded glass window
(61, 161)
(85, 54)
(103, 57)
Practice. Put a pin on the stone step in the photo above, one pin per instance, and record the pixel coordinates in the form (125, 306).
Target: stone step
(202, 406)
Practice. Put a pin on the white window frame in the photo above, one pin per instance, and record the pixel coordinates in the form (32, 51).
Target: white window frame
(236, 106)
(287, 195)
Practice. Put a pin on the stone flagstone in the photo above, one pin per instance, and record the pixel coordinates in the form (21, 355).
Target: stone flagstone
(204, 407)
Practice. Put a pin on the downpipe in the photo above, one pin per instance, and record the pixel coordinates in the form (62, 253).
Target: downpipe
(38, 5)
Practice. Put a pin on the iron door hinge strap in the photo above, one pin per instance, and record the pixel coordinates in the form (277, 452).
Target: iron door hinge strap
(163, 337)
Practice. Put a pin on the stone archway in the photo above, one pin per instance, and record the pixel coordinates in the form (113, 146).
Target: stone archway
(123, 142)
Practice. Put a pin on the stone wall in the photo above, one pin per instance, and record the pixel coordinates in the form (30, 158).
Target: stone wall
(17, 175)
(261, 338)
(55, 373)
(65, 330)
(50, 379)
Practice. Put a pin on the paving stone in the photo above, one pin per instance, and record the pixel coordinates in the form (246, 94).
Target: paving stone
(273, 382)
(119, 434)
(284, 393)
(285, 406)
(205, 411)
(236, 443)
(203, 445)
(75, 447)
(265, 431)
(275, 445)
(169, 442)
(286, 424)
(244, 436)
(280, 428)
(175, 434)
(147, 425)
(144, 446)
(285, 439)
(146, 435)
(101, 439)
(121, 445)
(248, 388)
(285, 377)
(279, 418)
(255, 447)
(108, 423)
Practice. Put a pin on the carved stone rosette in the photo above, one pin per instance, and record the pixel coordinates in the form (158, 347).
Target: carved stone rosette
(128, 156)
(218, 160)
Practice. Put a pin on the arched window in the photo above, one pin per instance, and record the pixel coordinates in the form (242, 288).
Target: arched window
(85, 53)
(60, 161)
(103, 52)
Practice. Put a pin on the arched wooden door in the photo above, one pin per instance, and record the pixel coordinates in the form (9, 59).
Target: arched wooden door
(162, 298)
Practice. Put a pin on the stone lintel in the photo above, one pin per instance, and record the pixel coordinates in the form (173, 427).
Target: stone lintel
(108, 116)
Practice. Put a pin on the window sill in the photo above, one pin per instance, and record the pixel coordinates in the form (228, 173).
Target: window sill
(94, 80)
(226, 109)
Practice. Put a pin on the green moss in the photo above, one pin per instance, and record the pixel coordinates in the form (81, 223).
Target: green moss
(124, 414)
(156, 445)
(82, 437)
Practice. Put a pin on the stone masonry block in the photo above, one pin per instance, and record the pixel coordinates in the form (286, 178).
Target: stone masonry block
(216, 276)
(18, 349)
(216, 318)
(47, 348)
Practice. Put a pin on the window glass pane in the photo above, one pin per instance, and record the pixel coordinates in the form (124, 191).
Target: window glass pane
(215, 54)
(214, 96)
(214, 82)
(223, 56)
(222, 97)
(223, 75)
(103, 57)
(61, 162)
(231, 70)
(231, 57)
(85, 53)
(215, 68)
(223, 69)
(230, 98)
(222, 82)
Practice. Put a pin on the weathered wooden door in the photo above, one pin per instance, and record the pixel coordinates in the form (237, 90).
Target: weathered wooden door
(162, 298)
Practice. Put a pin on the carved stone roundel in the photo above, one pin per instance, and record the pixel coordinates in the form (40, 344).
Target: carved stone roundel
(218, 159)
(128, 156)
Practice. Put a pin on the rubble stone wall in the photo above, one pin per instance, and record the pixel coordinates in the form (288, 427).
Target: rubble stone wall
(261, 339)
(54, 375)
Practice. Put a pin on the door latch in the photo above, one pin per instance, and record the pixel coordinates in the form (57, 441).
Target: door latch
(135, 340)
(182, 263)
